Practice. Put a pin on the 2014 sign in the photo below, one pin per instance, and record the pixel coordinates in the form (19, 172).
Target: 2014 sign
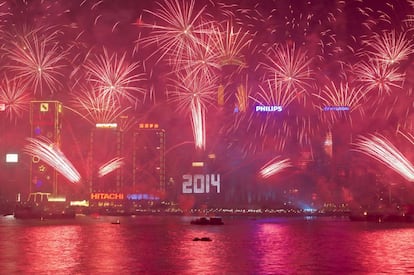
(200, 184)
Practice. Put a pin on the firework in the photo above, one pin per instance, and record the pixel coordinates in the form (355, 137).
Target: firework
(201, 59)
(51, 154)
(273, 167)
(14, 95)
(114, 78)
(178, 28)
(37, 59)
(290, 65)
(340, 101)
(231, 44)
(198, 122)
(110, 166)
(384, 151)
(95, 107)
(375, 75)
(274, 94)
(195, 93)
(187, 87)
(390, 48)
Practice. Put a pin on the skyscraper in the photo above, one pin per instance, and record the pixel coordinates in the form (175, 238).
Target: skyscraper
(45, 122)
(148, 159)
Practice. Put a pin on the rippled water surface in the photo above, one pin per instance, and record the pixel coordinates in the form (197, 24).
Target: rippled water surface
(164, 245)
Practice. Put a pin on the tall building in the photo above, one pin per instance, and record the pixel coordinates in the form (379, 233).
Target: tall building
(105, 146)
(148, 159)
(45, 122)
(134, 159)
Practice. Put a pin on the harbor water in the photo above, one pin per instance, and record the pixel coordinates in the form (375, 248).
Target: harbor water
(166, 245)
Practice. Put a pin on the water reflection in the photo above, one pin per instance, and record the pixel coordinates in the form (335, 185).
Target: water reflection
(164, 245)
(389, 250)
(201, 257)
(53, 248)
(271, 248)
(108, 248)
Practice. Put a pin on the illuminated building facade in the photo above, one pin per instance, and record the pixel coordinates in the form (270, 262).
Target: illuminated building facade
(46, 122)
(140, 175)
(105, 145)
(148, 159)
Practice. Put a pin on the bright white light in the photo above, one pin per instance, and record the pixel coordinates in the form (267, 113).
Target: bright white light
(12, 158)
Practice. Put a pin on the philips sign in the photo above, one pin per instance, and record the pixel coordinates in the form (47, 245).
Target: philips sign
(275, 108)
(200, 184)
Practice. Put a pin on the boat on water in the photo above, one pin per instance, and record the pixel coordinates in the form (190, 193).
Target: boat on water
(208, 221)
(43, 206)
(202, 239)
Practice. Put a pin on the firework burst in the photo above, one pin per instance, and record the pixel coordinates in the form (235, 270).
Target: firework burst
(231, 44)
(114, 78)
(14, 96)
(110, 166)
(340, 100)
(37, 58)
(384, 151)
(96, 108)
(51, 154)
(390, 48)
(195, 93)
(273, 167)
(375, 75)
(178, 30)
(290, 65)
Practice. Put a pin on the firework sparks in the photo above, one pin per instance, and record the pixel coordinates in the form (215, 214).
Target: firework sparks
(275, 94)
(273, 167)
(390, 48)
(37, 59)
(340, 101)
(200, 58)
(178, 29)
(195, 93)
(114, 78)
(375, 75)
(51, 154)
(231, 43)
(198, 122)
(14, 95)
(289, 64)
(110, 166)
(96, 108)
(384, 151)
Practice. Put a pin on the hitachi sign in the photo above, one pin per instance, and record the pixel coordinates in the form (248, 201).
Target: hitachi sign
(107, 196)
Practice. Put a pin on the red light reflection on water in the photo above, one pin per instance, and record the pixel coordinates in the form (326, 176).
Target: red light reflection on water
(52, 248)
(387, 250)
(271, 247)
(201, 257)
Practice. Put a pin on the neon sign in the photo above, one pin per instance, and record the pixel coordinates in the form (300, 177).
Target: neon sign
(200, 184)
(272, 108)
(106, 125)
(137, 197)
(336, 108)
(107, 196)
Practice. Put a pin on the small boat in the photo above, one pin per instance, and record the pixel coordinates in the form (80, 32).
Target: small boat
(208, 221)
(203, 239)
(116, 222)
